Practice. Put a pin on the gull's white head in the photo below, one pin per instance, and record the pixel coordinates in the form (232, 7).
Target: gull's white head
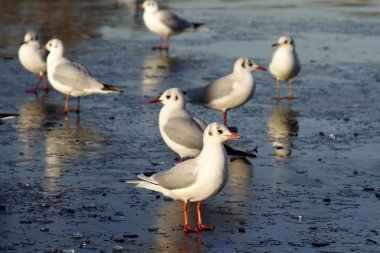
(149, 5)
(246, 64)
(30, 36)
(55, 47)
(285, 42)
(172, 98)
(219, 133)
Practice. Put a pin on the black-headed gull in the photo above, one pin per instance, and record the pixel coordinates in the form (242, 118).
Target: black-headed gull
(165, 23)
(4, 116)
(230, 91)
(33, 58)
(182, 132)
(196, 179)
(285, 64)
(71, 78)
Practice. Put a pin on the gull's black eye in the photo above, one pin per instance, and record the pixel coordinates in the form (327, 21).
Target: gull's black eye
(168, 96)
(243, 65)
(220, 131)
(176, 98)
(286, 42)
(250, 64)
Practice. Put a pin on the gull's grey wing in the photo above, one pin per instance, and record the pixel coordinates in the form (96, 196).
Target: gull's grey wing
(173, 21)
(180, 176)
(217, 89)
(184, 131)
(76, 76)
(200, 123)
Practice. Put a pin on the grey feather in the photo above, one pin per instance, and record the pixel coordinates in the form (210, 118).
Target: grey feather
(76, 76)
(180, 176)
(173, 21)
(219, 88)
(185, 132)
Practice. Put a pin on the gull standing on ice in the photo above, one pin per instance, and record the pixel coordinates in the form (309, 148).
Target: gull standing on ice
(230, 91)
(165, 23)
(71, 78)
(33, 58)
(196, 179)
(182, 132)
(285, 64)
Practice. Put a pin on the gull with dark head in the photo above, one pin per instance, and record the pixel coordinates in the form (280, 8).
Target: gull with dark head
(71, 78)
(196, 179)
(285, 64)
(230, 91)
(182, 132)
(33, 59)
(165, 23)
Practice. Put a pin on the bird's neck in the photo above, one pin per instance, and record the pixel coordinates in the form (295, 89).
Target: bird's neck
(243, 75)
(214, 151)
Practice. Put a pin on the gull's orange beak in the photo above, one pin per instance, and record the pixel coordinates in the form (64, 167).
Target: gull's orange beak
(140, 7)
(261, 68)
(234, 136)
(154, 101)
(43, 47)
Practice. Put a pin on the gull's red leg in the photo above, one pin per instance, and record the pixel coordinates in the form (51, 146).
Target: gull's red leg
(46, 87)
(78, 105)
(200, 225)
(277, 97)
(225, 118)
(186, 227)
(290, 96)
(167, 43)
(231, 128)
(34, 90)
(66, 109)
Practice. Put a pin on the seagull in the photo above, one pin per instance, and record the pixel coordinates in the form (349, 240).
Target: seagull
(33, 58)
(230, 91)
(196, 179)
(71, 78)
(182, 132)
(285, 64)
(4, 116)
(165, 23)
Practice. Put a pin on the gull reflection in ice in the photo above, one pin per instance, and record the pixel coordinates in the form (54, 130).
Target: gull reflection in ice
(240, 178)
(67, 148)
(154, 71)
(282, 127)
(33, 117)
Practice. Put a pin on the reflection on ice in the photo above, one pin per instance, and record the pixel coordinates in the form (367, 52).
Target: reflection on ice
(67, 144)
(154, 70)
(240, 178)
(282, 127)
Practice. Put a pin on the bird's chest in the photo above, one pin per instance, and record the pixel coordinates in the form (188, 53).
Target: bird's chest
(154, 24)
(212, 180)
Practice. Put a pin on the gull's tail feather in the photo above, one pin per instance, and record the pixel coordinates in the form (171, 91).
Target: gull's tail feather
(200, 27)
(234, 152)
(8, 115)
(111, 89)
